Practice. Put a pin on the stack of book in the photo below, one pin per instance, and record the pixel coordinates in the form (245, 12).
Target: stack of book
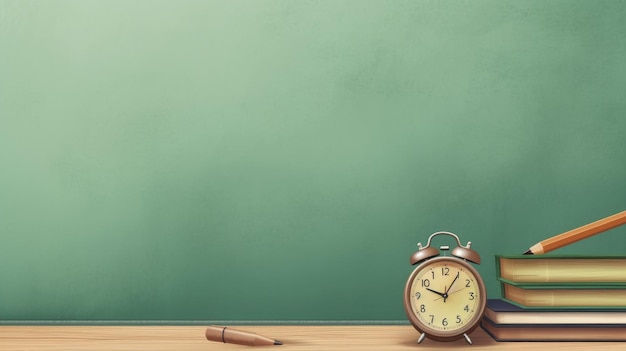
(559, 298)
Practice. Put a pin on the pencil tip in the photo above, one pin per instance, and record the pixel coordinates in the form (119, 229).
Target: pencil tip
(276, 342)
(528, 252)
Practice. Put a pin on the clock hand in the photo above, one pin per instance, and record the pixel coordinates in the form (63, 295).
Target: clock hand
(437, 292)
(456, 291)
(450, 287)
(455, 278)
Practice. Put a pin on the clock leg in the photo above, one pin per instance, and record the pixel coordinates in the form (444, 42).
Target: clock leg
(467, 338)
(421, 338)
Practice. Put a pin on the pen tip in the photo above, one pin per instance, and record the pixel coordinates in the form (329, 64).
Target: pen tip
(528, 252)
(276, 342)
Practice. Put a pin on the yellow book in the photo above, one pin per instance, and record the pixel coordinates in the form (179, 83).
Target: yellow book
(559, 269)
(567, 296)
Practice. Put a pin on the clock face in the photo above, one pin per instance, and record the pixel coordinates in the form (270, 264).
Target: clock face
(446, 297)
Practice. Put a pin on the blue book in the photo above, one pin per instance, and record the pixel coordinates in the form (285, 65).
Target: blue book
(507, 322)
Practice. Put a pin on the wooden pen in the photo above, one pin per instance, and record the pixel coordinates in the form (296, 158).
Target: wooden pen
(234, 336)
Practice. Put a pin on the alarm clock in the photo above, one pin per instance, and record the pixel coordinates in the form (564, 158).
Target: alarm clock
(445, 297)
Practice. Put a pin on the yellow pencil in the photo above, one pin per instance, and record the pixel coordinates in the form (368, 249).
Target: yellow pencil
(577, 234)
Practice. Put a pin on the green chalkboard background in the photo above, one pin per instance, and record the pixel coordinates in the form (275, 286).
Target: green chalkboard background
(279, 160)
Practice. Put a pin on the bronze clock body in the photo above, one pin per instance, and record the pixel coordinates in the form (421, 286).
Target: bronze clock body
(445, 297)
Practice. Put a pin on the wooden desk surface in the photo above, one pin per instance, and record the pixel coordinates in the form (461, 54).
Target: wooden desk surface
(183, 338)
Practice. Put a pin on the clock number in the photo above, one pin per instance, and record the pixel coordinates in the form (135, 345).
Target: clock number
(458, 318)
(467, 283)
(425, 282)
(445, 270)
(422, 308)
(418, 295)
(432, 318)
(444, 322)
(471, 295)
(466, 309)
(433, 272)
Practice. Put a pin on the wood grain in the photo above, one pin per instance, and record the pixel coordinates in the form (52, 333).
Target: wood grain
(184, 338)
